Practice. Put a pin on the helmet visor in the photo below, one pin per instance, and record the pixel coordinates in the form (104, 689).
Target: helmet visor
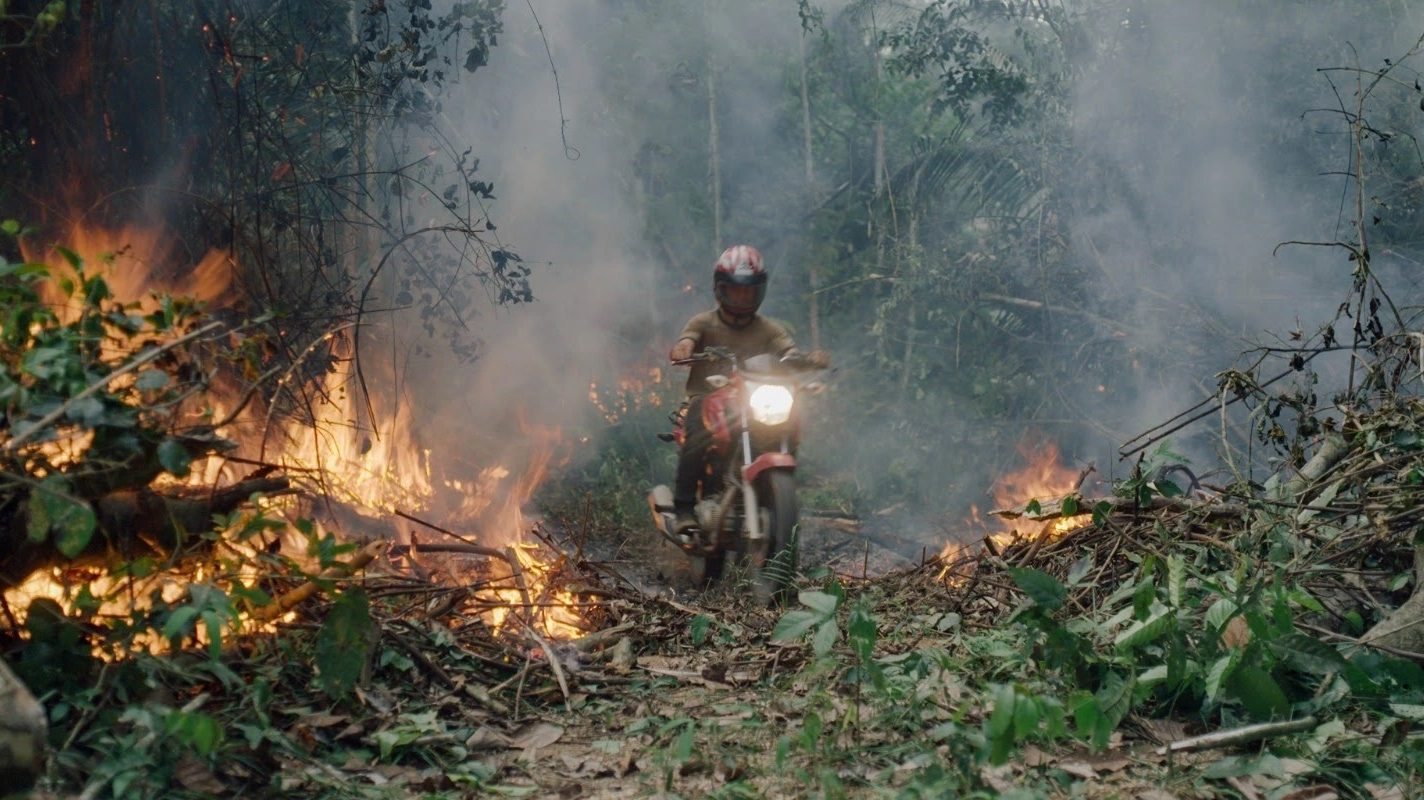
(740, 299)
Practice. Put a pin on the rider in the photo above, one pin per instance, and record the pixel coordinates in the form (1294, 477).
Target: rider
(739, 284)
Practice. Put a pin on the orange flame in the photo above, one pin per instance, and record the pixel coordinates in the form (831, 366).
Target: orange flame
(339, 452)
(1043, 478)
(640, 388)
(135, 263)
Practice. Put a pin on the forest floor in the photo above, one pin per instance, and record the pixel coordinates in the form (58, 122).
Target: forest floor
(1047, 666)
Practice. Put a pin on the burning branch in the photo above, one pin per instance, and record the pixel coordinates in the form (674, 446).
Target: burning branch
(306, 591)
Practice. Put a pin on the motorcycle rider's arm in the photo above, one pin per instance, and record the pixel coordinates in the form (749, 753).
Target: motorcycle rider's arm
(686, 341)
(785, 348)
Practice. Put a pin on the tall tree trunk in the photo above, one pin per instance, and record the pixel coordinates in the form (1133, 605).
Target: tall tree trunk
(813, 271)
(879, 177)
(714, 161)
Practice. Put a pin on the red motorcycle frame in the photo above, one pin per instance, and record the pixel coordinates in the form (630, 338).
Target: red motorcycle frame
(752, 418)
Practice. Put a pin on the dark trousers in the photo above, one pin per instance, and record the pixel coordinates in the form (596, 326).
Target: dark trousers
(692, 461)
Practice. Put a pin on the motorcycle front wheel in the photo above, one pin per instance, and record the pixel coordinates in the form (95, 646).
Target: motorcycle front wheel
(775, 570)
(706, 570)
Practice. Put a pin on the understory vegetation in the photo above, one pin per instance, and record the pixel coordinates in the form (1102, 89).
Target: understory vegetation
(232, 566)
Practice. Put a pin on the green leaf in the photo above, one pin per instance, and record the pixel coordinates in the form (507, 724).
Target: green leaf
(1308, 654)
(682, 748)
(1408, 711)
(1220, 613)
(1033, 508)
(87, 412)
(1258, 692)
(861, 631)
(10, 227)
(1176, 579)
(1001, 719)
(151, 380)
(1146, 631)
(1069, 506)
(1167, 488)
(174, 457)
(698, 629)
(1153, 676)
(1114, 697)
(826, 636)
(1042, 588)
(180, 623)
(71, 257)
(1101, 510)
(793, 625)
(821, 602)
(345, 640)
(1026, 717)
(1220, 671)
(213, 622)
(52, 509)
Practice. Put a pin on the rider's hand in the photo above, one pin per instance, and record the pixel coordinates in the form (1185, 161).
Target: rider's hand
(819, 359)
(682, 350)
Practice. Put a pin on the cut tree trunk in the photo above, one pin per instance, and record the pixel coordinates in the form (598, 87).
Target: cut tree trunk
(130, 523)
(1403, 629)
(22, 735)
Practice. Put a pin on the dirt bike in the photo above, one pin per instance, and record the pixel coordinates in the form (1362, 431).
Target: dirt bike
(747, 508)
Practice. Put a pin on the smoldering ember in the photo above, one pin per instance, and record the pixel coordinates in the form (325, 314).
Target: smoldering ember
(760, 398)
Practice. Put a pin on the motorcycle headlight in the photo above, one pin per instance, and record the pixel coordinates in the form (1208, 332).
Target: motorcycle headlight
(771, 404)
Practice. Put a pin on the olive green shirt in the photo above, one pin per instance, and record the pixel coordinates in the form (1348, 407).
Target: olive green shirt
(760, 336)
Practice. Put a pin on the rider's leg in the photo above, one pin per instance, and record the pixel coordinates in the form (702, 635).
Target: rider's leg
(691, 465)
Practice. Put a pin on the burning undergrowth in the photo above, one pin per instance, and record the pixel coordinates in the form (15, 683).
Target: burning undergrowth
(338, 465)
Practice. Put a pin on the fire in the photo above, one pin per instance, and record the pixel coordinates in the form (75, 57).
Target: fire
(640, 388)
(135, 263)
(1044, 479)
(525, 592)
(376, 466)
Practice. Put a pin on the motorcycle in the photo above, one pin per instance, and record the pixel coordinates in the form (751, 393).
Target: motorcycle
(752, 416)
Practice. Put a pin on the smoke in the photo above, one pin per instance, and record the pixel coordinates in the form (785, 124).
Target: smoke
(573, 188)
(1197, 146)
(561, 203)
(1218, 125)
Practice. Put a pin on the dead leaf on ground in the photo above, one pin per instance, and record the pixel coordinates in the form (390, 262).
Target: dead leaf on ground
(1312, 793)
(350, 731)
(1110, 762)
(487, 738)
(1001, 779)
(1163, 731)
(1078, 769)
(1378, 792)
(1236, 633)
(1245, 787)
(196, 777)
(622, 659)
(319, 721)
(1033, 756)
(540, 734)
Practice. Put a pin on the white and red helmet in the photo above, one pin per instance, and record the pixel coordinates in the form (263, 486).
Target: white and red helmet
(739, 265)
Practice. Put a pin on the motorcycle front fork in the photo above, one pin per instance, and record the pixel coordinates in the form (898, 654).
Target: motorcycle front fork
(749, 498)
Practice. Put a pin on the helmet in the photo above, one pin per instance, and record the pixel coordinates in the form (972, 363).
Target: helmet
(739, 265)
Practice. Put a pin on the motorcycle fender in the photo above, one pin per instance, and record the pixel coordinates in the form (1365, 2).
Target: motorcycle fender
(767, 461)
(660, 504)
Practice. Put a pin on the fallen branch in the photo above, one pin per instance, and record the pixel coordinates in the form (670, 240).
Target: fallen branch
(597, 639)
(31, 431)
(1234, 736)
(468, 549)
(304, 592)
